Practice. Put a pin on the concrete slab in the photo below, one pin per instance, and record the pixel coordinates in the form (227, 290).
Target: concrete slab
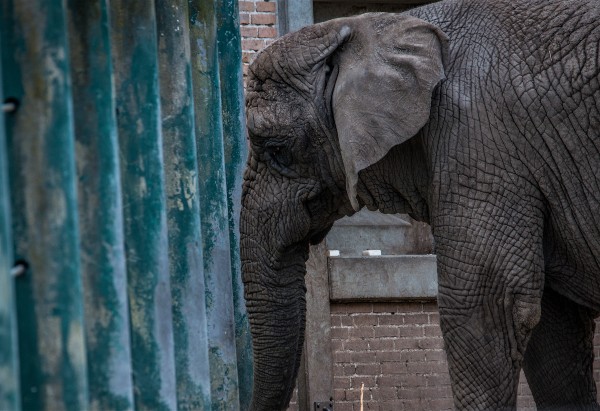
(382, 278)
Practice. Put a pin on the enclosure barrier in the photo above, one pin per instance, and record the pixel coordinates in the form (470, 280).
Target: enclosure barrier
(121, 149)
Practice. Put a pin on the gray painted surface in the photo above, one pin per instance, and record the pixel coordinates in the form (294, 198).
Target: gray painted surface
(294, 14)
(398, 277)
(323, 11)
(316, 379)
(392, 234)
(330, 9)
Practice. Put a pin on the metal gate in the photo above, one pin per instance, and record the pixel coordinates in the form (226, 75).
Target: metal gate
(121, 148)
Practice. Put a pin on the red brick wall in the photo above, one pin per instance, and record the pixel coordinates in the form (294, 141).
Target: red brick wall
(396, 350)
(258, 21)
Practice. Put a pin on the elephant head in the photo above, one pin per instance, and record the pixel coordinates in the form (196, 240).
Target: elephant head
(323, 104)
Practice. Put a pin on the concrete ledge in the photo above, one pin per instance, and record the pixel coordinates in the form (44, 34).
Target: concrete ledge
(393, 234)
(385, 278)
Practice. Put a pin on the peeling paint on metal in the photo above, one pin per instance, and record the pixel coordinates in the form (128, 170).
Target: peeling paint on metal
(213, 206)
(134, 47)
(165, 321)
(183, 207)
(10, 399)
(236, 151)
(42, 169)
(100, 208)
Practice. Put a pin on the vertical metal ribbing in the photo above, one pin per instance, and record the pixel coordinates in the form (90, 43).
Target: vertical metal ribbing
(42, 170)
(100, 208)
(134, 47)
(183, 206)
(213, 206)
(236, 151)
(10, 399)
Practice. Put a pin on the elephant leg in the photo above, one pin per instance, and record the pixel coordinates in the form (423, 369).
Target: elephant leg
(559, 357)
(485, 345)
(490, 271)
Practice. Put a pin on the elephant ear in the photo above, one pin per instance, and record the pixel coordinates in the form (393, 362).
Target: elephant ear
(382, 96)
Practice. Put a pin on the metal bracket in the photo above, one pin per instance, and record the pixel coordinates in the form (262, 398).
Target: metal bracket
(18, 269)
(324, 406)
(10, 105)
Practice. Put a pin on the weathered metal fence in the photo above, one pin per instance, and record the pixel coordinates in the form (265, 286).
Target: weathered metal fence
(121, 148)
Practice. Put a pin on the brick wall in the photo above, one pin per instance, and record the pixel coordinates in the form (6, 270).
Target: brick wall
(258, 20)
(397, 351)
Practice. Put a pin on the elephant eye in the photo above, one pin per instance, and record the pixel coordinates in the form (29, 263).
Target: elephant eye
(279, 156)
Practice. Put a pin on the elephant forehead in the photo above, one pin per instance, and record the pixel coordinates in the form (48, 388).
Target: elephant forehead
(269, 118)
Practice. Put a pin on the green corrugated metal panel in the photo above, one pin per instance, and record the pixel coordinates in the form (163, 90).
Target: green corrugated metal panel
(183, 206)
(164, 230)
(42, 170)
(213, 207)
(236, 151)
(134, 45)
(100, 208)
(10, 399)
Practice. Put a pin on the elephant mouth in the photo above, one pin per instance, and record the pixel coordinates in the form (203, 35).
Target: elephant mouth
(318, 236)
(289, 259)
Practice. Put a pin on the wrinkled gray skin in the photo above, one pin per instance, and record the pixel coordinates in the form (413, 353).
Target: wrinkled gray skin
(478, 117)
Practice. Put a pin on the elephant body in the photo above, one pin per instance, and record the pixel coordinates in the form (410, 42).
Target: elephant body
(527, 133)
(479, 117)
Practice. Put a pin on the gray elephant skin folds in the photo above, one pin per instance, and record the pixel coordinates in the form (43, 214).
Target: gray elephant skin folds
(481, 118)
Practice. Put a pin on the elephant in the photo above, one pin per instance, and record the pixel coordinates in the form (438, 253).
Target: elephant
(478, 117)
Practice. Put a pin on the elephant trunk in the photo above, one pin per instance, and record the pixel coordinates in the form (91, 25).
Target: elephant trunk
(277, 317)
(274, 249)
